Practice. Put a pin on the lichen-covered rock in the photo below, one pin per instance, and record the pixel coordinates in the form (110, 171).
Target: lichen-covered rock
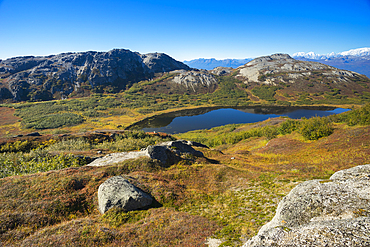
(166, 153)
(334, 212)
(221, 71)
(119, 192)
(195, 79)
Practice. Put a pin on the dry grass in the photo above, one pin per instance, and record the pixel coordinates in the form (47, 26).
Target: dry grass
(229, 194)
(7, 116)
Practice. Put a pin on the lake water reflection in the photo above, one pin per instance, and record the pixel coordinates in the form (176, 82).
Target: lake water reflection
(206, 118)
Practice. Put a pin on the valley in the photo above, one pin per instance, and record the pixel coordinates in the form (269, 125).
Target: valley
(50, 197)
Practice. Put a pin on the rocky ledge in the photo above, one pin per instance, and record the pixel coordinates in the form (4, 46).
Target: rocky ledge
(166, 153)
(334, 212)
(195, 79)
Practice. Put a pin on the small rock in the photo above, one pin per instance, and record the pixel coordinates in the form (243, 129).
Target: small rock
(34, 134)
(213, 242)
(119, 192)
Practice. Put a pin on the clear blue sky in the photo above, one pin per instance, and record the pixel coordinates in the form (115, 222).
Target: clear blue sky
(183, 29)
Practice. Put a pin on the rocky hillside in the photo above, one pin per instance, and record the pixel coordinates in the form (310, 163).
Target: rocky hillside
(292, 77)
(278, 68)
(182, 81)
(63, 75)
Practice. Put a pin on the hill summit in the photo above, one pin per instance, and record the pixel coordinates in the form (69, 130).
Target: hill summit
(59, 76)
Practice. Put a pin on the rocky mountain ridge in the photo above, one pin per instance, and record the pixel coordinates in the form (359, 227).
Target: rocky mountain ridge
(80, 74)
(296, 78)
(261, 69)
(58, 76)
(357, 60)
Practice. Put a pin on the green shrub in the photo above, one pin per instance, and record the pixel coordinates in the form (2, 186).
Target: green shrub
(270, 132)
(265, 92)
(36, 161)
(18, 146)
(288, 126)
(359, 116)
(70, 145)
(316, 128)
(52, 121)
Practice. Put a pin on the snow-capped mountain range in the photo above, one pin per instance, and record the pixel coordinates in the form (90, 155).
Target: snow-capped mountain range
(357, 60)
(354, 52)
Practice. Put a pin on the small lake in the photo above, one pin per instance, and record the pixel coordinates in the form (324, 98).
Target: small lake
(209, 117)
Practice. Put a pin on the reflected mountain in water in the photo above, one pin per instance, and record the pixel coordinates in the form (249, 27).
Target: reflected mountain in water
(209, 117)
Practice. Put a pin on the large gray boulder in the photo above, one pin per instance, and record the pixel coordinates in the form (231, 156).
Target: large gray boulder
(119, 192)
(165, 152)
(334, 212)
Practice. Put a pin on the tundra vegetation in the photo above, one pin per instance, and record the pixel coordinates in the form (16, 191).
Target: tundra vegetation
(50, 198)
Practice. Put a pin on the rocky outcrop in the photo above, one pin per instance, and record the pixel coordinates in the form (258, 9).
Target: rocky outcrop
(167, 153)
(221, 71)
(57, 76)
(194, 80)
(334, 212)
(281, 68)
(119, 192)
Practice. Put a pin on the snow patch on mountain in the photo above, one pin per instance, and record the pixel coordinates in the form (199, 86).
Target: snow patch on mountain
(354, 52)
(357, 52)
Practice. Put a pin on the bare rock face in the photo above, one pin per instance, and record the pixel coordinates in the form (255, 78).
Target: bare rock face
(166, 153)
(196, 79)
(59, 75)
(221, 71)
(281, 68)
(119, 192)
(334, 212)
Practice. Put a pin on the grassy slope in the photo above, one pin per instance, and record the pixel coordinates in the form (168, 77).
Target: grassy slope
(112, 111)
(229, 194)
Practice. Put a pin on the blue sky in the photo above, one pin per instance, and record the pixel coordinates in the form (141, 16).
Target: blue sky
(182, 29)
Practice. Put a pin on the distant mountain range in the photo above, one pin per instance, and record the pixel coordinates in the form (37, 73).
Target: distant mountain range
(355, 52)
(211, 63)
(357, 60)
